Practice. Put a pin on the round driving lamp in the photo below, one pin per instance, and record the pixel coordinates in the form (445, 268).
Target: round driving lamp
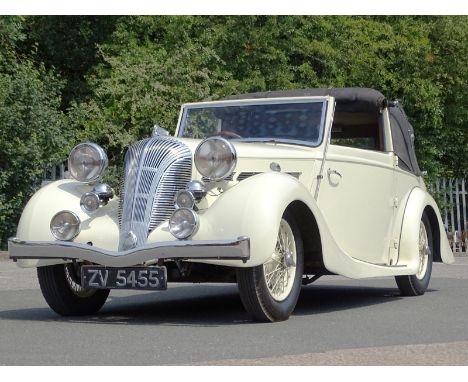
(183, 223)
(90, 202)
(65, 225)
(197, 189)
(184, 199)
(215, 158)
(87, 162)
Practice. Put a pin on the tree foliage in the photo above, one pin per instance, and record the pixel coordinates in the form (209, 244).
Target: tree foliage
(67, 44)
(110, 79)
(31, 134)
(404, 57)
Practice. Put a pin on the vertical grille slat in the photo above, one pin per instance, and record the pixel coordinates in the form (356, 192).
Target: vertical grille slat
(155, 169)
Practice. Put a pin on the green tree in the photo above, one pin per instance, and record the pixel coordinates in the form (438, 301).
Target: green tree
(110, 79)
(32, 133)
(141, 87)
(407, 58)
(67, 45)
(449, 58)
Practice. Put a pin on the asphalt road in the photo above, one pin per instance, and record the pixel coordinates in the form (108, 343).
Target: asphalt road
(337, 322)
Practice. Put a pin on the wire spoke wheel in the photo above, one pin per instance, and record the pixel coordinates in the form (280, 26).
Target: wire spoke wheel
(424, 251)
(269, 292)
(280, 270)
(416, 285)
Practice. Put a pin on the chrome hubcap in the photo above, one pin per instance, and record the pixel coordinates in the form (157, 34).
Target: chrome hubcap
(280, 270)
(424, 252)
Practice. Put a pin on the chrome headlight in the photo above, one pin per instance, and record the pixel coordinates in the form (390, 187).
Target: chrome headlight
(215, 158)
(87, 162)
(65, 225)
(183, 223)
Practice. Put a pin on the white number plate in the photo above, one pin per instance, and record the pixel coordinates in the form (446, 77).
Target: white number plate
(94, 276)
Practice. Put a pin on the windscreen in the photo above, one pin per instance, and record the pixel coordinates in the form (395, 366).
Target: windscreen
(287, 121)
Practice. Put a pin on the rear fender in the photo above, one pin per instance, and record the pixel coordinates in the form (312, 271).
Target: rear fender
(420, 201)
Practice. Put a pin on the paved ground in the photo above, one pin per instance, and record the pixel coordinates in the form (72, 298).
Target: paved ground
(337, 322)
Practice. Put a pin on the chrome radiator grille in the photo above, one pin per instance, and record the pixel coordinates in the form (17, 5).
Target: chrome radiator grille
(155, 169)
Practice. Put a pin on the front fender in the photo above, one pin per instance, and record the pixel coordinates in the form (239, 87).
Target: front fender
(101, 228)
(416, 204)
(254, 208)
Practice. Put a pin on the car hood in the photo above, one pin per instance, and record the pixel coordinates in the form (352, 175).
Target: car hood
(258, 157)
(266, 150)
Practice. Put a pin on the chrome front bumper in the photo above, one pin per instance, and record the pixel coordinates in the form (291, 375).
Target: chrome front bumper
(238, 249)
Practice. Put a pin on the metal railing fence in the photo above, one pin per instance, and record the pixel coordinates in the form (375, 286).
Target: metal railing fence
(452, 197)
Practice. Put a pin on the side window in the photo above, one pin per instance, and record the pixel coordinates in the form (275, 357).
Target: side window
(359, 130)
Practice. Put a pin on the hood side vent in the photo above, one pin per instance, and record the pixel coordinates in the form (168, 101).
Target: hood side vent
(244, 175)
(228, 179)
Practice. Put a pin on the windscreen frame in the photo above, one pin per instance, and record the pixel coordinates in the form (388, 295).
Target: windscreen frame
(262, 101)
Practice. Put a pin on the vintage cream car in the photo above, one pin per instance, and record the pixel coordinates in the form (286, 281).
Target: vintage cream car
(270, 190)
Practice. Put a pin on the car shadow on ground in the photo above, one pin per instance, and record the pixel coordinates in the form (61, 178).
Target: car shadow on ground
(321, 299)
(208, 305)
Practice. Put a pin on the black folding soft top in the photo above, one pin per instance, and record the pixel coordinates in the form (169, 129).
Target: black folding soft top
(347, 99)
(360, 100)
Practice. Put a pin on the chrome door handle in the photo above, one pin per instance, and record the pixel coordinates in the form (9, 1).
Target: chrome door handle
(330, 172)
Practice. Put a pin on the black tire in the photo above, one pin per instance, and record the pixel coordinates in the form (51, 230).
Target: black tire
(254, 292)
(411, 285)
(58, 293)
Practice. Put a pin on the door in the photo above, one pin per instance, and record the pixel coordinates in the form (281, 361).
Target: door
(356, 196)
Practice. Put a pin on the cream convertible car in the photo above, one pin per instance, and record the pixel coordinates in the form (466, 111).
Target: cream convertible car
(269, 190)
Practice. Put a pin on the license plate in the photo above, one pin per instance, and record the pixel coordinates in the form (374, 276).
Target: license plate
(99, 277)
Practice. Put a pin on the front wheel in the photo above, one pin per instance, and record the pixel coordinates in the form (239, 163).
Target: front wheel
(60, 286)
(269, 292)
(416, 285)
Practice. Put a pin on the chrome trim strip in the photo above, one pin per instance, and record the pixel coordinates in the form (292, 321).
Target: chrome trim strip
(256, 101)
(237, 249)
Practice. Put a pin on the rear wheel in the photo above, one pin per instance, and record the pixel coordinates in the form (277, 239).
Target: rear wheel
(415, 285)
(269, 292)
(60, 286)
